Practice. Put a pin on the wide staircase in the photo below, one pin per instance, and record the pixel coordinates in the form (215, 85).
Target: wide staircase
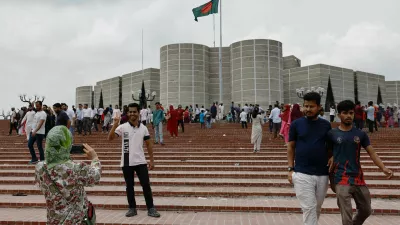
(203, 177)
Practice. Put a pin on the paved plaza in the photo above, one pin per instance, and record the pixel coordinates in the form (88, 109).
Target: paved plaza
(202, 177)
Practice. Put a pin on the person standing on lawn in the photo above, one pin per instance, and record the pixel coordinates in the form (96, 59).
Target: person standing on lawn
(346, 142)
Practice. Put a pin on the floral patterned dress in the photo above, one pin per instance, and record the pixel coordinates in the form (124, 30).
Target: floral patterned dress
(67, 203)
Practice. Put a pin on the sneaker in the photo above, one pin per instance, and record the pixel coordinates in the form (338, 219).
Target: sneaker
(33, 162)
(153, 213)
(131, 212)
(156, 142)
(255, 150)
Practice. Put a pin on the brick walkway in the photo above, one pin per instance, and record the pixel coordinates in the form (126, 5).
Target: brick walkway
(25, 216)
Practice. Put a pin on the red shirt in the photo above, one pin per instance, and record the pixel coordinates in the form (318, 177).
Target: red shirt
(358, 113)
(180, 114)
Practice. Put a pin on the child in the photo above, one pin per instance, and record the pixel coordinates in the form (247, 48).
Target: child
(208, 119)
(202, 115)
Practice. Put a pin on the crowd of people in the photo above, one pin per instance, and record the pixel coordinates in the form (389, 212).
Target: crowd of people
(311, 145)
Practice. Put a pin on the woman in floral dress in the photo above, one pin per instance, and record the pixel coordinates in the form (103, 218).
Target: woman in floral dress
(62, 181)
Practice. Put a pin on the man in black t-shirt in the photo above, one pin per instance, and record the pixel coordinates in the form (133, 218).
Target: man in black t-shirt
(62, 117)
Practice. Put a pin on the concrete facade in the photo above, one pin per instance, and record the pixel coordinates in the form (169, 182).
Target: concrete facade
(213, 86)
(184, 74)
(342, 82)
(367, 85)
(132, 82)
(256, 67)
(84, 95)
(290, 62)
(393, 92)
(111, 89)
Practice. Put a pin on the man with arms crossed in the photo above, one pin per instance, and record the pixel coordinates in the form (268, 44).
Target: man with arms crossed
(308, 159)
(133, 160)
(346, 142)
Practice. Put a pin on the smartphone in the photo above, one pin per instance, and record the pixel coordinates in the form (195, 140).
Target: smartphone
(77, 149)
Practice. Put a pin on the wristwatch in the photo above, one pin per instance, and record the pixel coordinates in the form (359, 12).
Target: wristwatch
(290, 169)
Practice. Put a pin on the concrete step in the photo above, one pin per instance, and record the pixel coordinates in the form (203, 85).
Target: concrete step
(232, 167)
(187, 191)
(204, 182)
(214, 204)
(200, 174)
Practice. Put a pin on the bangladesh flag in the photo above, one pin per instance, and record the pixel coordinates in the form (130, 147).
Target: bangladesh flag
(206, 9)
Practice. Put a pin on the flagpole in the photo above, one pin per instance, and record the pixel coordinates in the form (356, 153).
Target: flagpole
(220, 55)
(142, 51)
(214, 28)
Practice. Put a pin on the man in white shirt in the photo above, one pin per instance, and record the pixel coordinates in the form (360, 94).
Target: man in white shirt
(276, 120)
(144, 115)
(150, 115)
(28, 119)
(79, 118)
(87, 120)
(370, 116)
(332, 113)
(133, 159)
(221, 111)
(197, 114)
(243, 118)
(13, 121)
(94, 118)
(37, 134)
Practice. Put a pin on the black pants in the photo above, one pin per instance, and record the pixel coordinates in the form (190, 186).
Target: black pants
(370, 125)
(376, 124)
(244, 124)
(95, 124)
(144, 122)
(182, 125)
(13, 125)
(87, 125)
(332, 118)
(79, 124)
(359, 123)
(143, 175)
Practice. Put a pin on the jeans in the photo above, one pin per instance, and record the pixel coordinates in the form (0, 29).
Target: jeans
(208, 124)
(310, 191)
(159, 132)
(182, 125)
(362, 198)
(244, 124)
(87, 125)
(143, 175)
(38, 138)
(332, 118)
(94, 123)
(276, 129)
(271, 125)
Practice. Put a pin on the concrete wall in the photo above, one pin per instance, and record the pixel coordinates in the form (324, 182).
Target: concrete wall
(256, 67)
(213, 86)
(367, 84)
(83, 95)
(392, 92)
(184, 74)
(110, 89)
(342, 82)
(290, 62)
(133, 82)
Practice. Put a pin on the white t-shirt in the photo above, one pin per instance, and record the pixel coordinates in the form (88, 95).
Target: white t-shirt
(132, 143)
(116, 113)
(70, 113)
(13, 115)
(39, 116)
(94, 112)
(87, 112)
(100, 111)
(332, 112)
(243, 116)
(143, 114)
(246, 109)
(29, 118)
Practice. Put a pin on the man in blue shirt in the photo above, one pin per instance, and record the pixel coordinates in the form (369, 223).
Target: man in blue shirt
(158, 118)
(346, 142)
(308, 158)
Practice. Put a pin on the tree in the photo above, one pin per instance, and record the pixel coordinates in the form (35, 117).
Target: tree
(330, 99)
(355, 87)
(379, 100)
(101, 105)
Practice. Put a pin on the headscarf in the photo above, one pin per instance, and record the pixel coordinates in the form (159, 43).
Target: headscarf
(296, 113)
(58, 146)
(285, 114)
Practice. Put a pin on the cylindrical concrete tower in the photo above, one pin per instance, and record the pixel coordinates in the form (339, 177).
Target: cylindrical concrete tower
(184, 75)
(256, 72)
(84, 95)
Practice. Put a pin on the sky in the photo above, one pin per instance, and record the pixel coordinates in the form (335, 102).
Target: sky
(50, 47)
